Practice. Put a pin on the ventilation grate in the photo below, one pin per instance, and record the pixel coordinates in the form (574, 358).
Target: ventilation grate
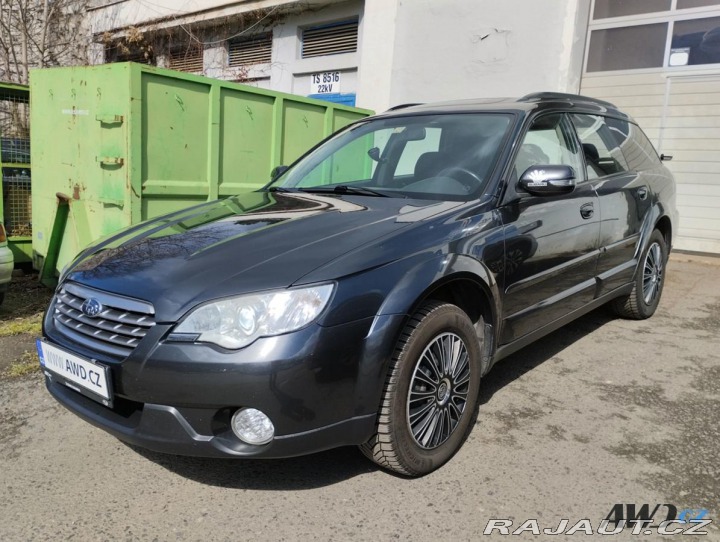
(187, 60)
(246, 52)
(332, 39)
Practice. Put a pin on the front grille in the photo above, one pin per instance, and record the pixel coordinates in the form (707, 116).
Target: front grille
(120, 325)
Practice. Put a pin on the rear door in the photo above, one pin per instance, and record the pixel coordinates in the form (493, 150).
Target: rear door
(551, 242)
(617, 166)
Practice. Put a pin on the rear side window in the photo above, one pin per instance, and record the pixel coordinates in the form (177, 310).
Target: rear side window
(602, 152)
(635, 146)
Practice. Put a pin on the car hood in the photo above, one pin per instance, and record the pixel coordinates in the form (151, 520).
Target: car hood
(247, 243)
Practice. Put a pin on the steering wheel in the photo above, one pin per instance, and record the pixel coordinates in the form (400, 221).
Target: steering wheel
(465, 177)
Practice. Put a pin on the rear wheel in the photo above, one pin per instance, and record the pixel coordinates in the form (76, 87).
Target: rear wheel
(429, 402)
(649, 280)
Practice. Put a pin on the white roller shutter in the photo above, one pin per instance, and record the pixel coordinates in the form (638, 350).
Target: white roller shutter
(681, 115)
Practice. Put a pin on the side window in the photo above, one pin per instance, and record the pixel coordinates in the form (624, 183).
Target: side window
(548, 142)
(636, 148)
(414, 149)
(602, 152)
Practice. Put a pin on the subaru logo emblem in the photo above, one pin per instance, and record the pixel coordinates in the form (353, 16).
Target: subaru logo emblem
(91, 307)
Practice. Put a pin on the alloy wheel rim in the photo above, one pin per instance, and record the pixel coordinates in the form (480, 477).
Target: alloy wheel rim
(439, 389)
(652, 273)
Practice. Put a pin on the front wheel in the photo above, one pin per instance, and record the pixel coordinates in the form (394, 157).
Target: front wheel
(429, 402)
(649, 281)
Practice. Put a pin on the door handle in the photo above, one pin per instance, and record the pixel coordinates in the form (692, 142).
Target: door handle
(642, 192)
(587, 210)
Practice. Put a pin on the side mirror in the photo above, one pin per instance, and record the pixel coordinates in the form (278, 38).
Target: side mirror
(548, 180)
(277, 171)
(374, 153)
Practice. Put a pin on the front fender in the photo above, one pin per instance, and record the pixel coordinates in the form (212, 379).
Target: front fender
(415, 279)
(419, 281)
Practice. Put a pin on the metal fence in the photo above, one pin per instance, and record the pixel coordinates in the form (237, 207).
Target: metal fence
(15, 160)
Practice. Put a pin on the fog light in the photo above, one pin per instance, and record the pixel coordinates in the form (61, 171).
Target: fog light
(252, 426)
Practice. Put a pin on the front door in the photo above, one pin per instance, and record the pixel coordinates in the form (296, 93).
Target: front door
(551, 242)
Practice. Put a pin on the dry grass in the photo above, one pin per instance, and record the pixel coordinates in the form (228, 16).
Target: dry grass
(23, 308)
(25, 365)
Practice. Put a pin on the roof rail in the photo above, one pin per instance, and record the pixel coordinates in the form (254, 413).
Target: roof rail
(537, 96)
(402, 106)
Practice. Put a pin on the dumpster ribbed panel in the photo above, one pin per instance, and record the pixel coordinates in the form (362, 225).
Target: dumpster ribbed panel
(330, 40)
(116, 330)
(136, 142)
(255, 50)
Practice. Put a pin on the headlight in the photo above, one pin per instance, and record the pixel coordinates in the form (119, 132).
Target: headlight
(237, 321)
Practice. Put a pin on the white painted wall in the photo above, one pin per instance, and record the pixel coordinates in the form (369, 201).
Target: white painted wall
(114, 15)
(429, 50)
(408, 51)
(287, 72)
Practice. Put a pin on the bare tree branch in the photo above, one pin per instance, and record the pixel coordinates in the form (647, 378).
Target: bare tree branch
(38, 34)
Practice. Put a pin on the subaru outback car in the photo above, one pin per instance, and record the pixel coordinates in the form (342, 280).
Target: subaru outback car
(361, 296)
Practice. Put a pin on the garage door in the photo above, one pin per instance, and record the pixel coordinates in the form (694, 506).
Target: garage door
(690, 132)
(681, 115)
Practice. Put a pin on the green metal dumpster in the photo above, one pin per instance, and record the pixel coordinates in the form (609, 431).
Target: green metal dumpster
(15, 201)
(117, 144)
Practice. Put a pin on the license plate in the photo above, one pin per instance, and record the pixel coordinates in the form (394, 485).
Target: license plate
(80, 374)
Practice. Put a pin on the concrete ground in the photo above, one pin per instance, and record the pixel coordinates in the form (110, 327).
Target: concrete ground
(604, 411)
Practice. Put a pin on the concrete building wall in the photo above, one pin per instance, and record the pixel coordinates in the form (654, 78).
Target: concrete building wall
(290, 72)
(287, 71)
(112, 15)
(408, 50)
(428, 50)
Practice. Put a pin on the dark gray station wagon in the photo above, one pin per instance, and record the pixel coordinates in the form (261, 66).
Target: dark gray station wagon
(360, 297)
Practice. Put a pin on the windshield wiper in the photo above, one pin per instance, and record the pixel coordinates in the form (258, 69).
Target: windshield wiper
(281, 189)
(345, 189)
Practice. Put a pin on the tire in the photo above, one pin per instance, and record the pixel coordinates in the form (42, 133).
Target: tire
(419, 389)
(649, 281)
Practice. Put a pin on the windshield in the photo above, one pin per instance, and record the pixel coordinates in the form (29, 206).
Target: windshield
(443, 157)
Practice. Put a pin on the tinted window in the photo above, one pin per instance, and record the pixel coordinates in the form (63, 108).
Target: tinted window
(686, 4)
(602, 152)
(628, 47)
(443, 157)
(415, 149)
(548, 142)
(636, 148)
(696, 42)
(622, 8)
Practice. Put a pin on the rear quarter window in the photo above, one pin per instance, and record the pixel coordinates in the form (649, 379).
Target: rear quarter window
(634, 144)
(603, 155)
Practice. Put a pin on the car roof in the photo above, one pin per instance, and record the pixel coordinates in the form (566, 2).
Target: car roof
(527, 103)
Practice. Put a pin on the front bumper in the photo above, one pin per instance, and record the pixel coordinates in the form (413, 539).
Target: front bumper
(320, 386)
